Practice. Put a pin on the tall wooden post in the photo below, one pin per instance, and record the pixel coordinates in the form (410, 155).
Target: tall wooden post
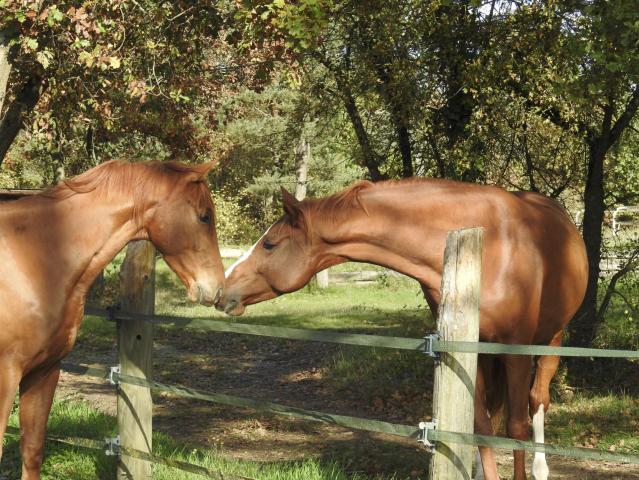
(135, 337)
(455, 373)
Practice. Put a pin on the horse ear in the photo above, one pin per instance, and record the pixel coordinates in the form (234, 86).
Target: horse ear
(203, 169)
(291, 207)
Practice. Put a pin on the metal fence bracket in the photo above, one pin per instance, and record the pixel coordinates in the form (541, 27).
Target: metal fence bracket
(428, 344)
(112, 446)
(113, 371)
(424, 428)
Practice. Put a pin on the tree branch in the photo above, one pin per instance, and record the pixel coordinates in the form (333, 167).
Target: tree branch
(626, 117)
(630, 264)
(23, 104)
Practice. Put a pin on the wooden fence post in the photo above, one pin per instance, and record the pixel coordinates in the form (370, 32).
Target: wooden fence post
(455, 373)
(322, 279)
(135, 340)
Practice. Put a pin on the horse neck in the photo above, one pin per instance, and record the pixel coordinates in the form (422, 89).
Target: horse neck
(82, 234)
(389, 228)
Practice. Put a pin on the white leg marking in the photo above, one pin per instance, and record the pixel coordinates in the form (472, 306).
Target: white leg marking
(243, 258)
(479, 470)
(540, 467)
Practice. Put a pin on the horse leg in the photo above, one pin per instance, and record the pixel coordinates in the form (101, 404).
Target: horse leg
(539, 403)
(487, 467)
(479, 470)
(36, 397)
(518, 373)
(9, 380)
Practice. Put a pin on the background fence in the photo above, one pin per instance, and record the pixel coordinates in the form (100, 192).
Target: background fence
(449, 435)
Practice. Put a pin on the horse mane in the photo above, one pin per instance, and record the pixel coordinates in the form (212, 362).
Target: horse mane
(335, 206)
(341, 203)
(144, 180)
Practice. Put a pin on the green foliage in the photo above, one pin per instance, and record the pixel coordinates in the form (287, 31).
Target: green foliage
(298, 23)
(258, 132)
(117, 72)
(621, 329)
(233, 223)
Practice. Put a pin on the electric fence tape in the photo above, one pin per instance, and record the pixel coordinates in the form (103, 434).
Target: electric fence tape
(379, 341)
(97, 445)
(408, 431)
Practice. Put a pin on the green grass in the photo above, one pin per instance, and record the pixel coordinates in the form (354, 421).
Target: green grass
(621, 328)
(97, 333)
(608, 422)
(392, 305)
(78, 419)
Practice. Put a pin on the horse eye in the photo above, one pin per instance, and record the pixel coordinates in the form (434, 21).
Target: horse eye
(267, 245)
(206, 218)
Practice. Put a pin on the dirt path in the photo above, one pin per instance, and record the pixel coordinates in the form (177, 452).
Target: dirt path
(291, 373)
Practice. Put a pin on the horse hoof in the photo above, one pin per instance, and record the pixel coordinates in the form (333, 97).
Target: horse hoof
(540, 469)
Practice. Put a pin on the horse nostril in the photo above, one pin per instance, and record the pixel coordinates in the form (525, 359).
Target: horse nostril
(200, 294)
(231, 305)
(218, 295)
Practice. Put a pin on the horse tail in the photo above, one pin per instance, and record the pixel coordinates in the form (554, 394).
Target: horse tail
(496, 390)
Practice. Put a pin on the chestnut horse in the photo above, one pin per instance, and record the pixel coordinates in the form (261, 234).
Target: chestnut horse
(54, 244)
(533, 278)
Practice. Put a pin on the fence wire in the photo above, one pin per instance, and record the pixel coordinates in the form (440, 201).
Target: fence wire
(357, 423)
(430, 342)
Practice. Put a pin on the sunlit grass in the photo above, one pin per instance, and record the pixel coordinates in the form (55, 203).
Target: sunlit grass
(78, 419)
(608, 422)
(384, 305)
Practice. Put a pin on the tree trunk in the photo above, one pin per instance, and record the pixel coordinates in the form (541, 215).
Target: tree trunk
(584, 325)
(24, 103)
(5, 70)
(302, 158)
(403, 139)
(399, 116)
(371, 159)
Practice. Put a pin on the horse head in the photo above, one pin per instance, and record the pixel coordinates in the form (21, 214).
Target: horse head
(281, 261)
(182, 227)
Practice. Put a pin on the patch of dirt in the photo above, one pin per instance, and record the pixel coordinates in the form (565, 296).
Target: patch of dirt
(287, 372)
(572, 468)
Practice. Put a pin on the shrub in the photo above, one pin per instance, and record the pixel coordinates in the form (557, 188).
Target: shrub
(234, 224)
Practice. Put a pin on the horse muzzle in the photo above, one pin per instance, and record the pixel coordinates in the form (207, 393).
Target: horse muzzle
(230, 306)
(203, 294)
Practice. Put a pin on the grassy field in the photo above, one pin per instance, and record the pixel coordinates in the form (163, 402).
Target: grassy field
(78, 419)
(389, 385)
